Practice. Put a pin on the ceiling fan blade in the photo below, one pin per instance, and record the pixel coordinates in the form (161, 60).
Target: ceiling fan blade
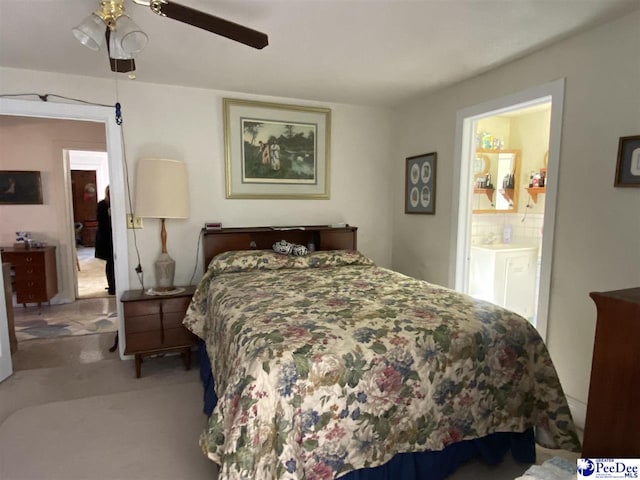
(213, 24)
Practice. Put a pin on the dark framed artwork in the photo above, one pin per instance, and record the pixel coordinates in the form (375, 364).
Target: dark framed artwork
(628, 167)
(276, 151)
(420, 184)
(20, 188)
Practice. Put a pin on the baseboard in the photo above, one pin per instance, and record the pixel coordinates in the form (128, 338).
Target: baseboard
(578, 411)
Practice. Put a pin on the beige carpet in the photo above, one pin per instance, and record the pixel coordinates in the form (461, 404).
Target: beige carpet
(92, 280)
(146, 434)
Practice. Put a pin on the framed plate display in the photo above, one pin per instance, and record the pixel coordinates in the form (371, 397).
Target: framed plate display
(628, 167)
(420, 184)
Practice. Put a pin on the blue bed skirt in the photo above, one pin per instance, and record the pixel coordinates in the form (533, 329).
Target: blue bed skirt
(416, 466)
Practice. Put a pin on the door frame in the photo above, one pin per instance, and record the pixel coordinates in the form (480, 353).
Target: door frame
(464, 146)
(105, 115)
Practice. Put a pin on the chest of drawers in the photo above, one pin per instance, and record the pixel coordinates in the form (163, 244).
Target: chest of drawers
(36, 276)
(612, 427)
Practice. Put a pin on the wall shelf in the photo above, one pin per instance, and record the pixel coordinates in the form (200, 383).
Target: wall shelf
(534, 191)
(487, 191)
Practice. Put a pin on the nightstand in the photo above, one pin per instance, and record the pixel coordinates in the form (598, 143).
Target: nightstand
(153, 324)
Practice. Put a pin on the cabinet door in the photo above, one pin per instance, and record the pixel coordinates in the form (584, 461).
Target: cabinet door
(520, 284)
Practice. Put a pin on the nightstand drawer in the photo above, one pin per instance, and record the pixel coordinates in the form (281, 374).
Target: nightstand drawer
(146, 323)
(143, 341)
(176, 337)
(142, 323)
(154, 307)
(157, 340)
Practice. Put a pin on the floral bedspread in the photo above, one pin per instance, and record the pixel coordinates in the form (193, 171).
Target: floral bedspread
(327, 363)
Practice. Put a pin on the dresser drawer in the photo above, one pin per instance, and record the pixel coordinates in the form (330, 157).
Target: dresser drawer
(26, 259)
(31, 296)
(31, 283)
(154, 307)
(30, 270)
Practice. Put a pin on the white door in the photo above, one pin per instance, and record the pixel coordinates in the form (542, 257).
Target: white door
(6, 367)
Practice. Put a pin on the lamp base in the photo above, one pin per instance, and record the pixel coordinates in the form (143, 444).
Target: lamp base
(165, 272)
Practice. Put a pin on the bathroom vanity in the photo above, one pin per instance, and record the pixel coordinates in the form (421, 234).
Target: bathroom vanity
(505, 274)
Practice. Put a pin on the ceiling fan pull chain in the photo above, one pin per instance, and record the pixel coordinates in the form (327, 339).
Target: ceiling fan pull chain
(118, 114)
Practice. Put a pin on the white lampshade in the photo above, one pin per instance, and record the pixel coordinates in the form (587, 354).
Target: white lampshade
(129, 35)
(91, 32)
(162, 189)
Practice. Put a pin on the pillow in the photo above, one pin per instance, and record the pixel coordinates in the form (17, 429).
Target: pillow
(285, 248)
(248, 260)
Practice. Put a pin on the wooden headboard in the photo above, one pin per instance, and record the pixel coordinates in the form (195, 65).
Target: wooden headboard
(263, 238)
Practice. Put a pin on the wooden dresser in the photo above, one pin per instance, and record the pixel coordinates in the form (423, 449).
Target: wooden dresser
(153, 324)
(36, 276)
(612, 427)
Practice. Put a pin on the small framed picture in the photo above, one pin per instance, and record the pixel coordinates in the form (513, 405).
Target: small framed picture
(420, 184)
(628, 167)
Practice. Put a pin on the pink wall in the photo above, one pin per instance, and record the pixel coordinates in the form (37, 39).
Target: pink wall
(28, 143)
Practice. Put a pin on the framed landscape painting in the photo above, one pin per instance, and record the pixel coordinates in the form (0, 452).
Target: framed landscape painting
(20, 187)
(276, 151)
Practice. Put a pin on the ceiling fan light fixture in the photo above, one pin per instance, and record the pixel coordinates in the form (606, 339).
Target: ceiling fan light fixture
(115, 48)
(90, 32)
(129, 35)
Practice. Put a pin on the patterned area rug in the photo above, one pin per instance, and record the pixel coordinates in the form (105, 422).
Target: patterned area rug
(83, 317)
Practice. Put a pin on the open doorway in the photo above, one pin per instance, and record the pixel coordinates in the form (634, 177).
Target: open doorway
(507, 211)
(57, 213)
(89, 178)
(509, 154)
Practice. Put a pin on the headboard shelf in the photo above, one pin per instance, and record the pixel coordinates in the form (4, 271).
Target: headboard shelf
(324, 237)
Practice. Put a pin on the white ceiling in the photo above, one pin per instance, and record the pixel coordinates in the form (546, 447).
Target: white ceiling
(374, 52)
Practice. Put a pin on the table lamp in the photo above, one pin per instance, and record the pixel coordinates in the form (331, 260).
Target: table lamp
(162, 192)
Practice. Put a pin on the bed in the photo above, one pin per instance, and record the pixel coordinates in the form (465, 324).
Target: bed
(327, 366)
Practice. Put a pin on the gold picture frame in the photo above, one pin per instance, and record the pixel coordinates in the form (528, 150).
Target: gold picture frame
(276, 151)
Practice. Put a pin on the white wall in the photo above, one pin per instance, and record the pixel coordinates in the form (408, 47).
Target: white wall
(597, 226)
(186, 124)
(93, 161)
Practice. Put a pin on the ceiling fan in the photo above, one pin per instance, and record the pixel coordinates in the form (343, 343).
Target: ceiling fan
(124, 38)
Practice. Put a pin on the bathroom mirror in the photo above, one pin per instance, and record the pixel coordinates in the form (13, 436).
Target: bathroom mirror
(495, 181)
